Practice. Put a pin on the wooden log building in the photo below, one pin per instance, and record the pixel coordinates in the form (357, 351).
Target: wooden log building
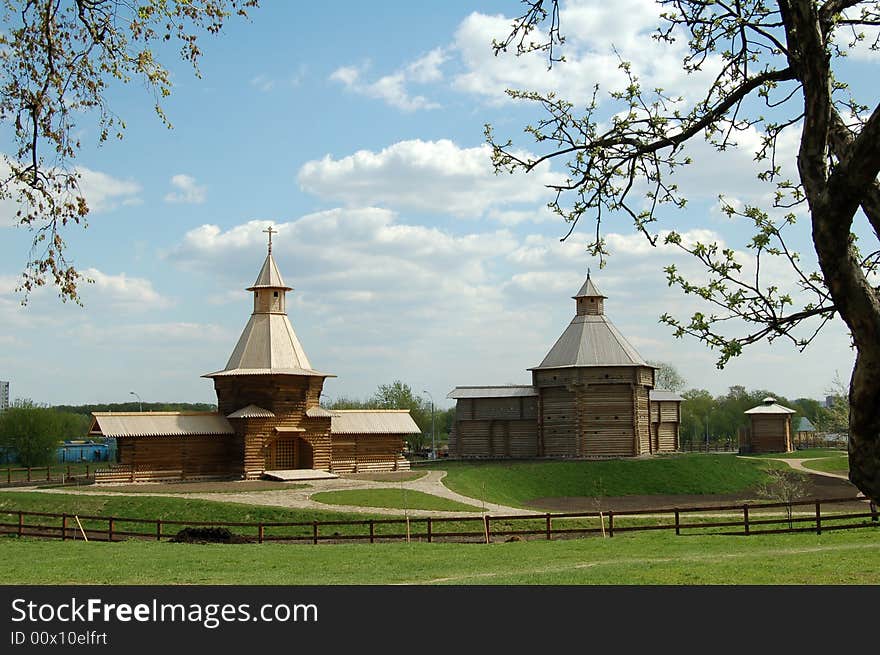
(769, 429)
(268, 419)
(591, 396)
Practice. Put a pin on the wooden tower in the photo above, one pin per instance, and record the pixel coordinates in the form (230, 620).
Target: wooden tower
(593, 388)
(268, 390)
(769, 428)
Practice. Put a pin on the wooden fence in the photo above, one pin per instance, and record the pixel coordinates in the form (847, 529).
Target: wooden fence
(12, 475)
(711, 447)
(746, 519)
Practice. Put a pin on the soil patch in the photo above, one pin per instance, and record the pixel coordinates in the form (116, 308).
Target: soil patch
(208, 536)
(819, 486)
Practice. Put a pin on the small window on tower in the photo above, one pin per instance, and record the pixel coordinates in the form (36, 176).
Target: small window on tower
(275, 293)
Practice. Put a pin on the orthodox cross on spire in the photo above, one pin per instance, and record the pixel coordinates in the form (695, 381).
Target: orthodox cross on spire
(270, 232)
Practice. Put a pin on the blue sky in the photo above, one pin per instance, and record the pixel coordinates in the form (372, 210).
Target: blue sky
(358, 133)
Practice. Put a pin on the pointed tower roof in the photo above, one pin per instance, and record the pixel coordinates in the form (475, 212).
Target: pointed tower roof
(589, 290)
(268, 344)
(591, 339)
(269, 277)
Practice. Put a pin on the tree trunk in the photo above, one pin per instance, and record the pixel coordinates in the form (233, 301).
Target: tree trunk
(864, 422)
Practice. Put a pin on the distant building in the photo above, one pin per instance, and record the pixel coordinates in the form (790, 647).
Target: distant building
(805, 432)
(4, 395)
(592, 396)
(769, 430)
(268, 417)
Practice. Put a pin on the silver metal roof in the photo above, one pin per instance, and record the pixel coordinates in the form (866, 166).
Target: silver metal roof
(372, 421)
(589, 289)
(152, 424)
(660, 395)
(500, 391)
(591, 340)
(318, 412)
(770, 406)
(251, 411)
(269, 277)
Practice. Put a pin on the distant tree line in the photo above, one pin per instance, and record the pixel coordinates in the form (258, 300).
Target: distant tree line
(31, 432)
(135, 406)
(722, 416)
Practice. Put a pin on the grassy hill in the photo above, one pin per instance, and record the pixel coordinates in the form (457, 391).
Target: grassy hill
(516, 483)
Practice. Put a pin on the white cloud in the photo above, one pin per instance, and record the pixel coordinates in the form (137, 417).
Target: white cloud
(424, 175)
(187, 191)
(394, 88)
(122, 291)
(103, 193)
(595, 33)
(263, 82)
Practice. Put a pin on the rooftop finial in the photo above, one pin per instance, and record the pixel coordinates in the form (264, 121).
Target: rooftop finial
(270, 232)
(588, 272)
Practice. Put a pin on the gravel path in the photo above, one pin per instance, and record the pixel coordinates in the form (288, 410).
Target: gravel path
(798, 465)
(431, 483)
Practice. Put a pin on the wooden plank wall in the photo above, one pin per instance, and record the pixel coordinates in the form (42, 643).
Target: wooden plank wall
(288, 397)
(495, 427)
(561, 422)
(608, 420)
(358, 453)
(770, 433)
(185, 456)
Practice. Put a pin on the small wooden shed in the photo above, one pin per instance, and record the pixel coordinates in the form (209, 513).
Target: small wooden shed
(769, 429)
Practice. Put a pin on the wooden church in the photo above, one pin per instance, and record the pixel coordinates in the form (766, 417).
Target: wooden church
(269, 417)
(592, 396)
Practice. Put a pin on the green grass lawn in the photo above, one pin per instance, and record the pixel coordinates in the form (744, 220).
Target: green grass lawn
(393, 498)
(516, 483)
(843, 557)
(806, 453)
(838, 465)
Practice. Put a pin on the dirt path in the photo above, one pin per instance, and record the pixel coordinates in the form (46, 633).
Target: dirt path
(293, 498)
(822, 485)
(798, 465)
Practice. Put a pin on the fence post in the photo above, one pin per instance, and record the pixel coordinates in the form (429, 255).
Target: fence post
(486, 528)
(158, 529)
(314, 532)
(110, 529)
(48, 474)
(29, 473)
(610, 522)
(8, 475)
(87, 471)
(429, 530)
(20, 522)
(549, 527)
(818, 518)
(260, 538)
(873, 511)
(63, 527)
(746, 519)
(677, 523)
(372, 530)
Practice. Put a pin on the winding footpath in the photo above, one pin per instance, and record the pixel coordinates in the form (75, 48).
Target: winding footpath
(430, 483)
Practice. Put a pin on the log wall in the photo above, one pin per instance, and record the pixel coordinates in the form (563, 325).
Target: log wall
(195, 456)
(770, 433)
(288, 397)
(358, 453)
